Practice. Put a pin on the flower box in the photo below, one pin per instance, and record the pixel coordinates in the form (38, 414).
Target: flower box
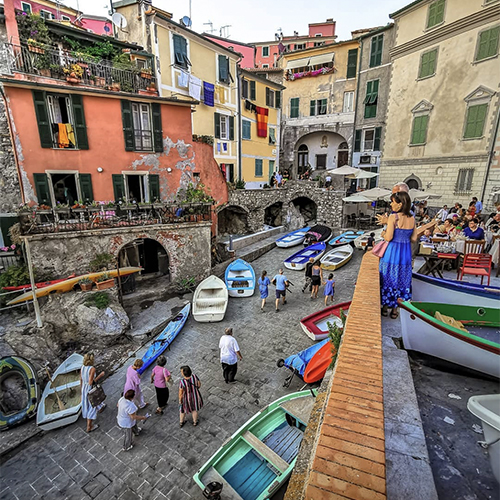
(45, 72)
(87, 287)
(35, 49)
(145, 74)
(104, 285)
(128, 207)
(100, 81)
(64, 210)
(94, 209)
(71, 79)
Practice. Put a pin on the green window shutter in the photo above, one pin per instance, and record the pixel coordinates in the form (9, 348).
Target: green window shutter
(128, 125)
(223, 69)
(272, 135)
(154, 187)
(323, 106)
(368, 92)
(42, 118)
(268, 96)
(180, 51)
(246, 129)
(419, 133)
(474, 125)
(352, 61)
(157, 129)
(258, 168)
(217, 125)
(277, 97)
(231, 128)
(436, 13)
(428, 64)
(294, 107)
(80, 127)
(42, 188)
(378, 135)
(312, 108)
(357, 141)
(118, 187)
(488, 43)
(86, 187)
(252, 91)
(376, 51)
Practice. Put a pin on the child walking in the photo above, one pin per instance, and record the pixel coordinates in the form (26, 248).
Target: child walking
(329, 288)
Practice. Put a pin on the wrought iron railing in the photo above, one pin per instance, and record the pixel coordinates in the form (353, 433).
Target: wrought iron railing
(57, 63)
(57, 220)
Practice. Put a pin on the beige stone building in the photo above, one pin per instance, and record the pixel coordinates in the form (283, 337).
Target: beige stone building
(443, 105)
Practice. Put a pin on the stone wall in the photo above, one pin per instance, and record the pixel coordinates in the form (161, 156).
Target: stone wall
(187, 246)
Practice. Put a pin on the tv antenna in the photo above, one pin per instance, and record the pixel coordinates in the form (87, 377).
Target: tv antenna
(224, 29)
(211, 24)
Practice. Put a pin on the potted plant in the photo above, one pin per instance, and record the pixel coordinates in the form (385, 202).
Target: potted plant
(105, 281)
(146, 73)
(95, 206)
(73, 73)
(62, 208)
(115, 86)
(34, 46)
(43, 209)
(100, 81)
(86, 284)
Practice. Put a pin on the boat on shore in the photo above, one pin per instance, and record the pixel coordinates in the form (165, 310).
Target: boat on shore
(166, 337)
(19, 392)
(315, 325)
(240, 279)
(345, 238)
(293, 238)
(430, 289)
(360, 241)
(210, 300)
(298, 260)
(466, 335)
(316, 234)
(61, 401)
(260, 456)
(336, 258)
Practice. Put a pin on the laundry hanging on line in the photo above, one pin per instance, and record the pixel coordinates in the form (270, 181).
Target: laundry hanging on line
(183, 79)
(194, 87)
(250, 106)
(71, 134)
(62, 138)
(262, 114)
(208, 93)
(221, 96)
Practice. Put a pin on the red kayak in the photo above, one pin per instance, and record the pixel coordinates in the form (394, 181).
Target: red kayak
(316, 368)
(43, 284)
(316, 324)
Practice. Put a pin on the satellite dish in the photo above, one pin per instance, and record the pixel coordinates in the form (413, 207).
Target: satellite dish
(119, 20)
(186, 21)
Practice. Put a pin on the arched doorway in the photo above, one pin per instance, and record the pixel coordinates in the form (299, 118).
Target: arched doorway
(342, 154)
(303, 159)
(307, 208)
(413, 182)
(232, 220)
(146, 253)
(273, 215)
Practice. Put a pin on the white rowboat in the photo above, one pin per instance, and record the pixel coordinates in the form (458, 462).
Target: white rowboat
(210, 300)
(336, 258)
(293, 238)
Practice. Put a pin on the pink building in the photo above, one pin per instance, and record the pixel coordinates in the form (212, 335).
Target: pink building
(246, 50)
(96, 24)
(267, 53)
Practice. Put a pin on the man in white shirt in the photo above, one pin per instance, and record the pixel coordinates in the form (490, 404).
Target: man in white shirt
(442, 215)
(229, 355)
(127, 418)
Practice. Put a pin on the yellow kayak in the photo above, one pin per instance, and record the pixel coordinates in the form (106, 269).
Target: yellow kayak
(69, 284)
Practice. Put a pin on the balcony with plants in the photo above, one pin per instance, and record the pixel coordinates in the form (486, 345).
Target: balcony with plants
(45, 53)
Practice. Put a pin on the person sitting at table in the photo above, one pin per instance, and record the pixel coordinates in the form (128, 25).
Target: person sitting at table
(493, 223)
(473, 231)
(445, 228)
(426, 237)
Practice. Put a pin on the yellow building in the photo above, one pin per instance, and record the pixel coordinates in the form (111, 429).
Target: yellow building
(190, 65)
(259, 152)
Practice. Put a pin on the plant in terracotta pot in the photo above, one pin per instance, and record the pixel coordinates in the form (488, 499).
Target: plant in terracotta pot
(105, 281)
(86, 284)
(73, 73)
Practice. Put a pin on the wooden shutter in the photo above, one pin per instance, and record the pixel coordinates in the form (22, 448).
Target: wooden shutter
(80, 126)
(419, 133)
(42, 118)
(488, 43)
(352, 61)
(252, 90)
(223, 69)
(118, 187)
(378, 135)
(217, 125)
(474, 125)
(312, 108)
(128, 125)
(294, 107)
(42, 186)
(436, 13)
(357, 141)
(376, 50)
(180, 51)
(87, 194)
(277, 96)
(231, 128)
(154, 187)
(157, 129)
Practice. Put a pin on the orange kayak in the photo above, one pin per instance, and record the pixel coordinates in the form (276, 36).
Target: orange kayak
(316, 368)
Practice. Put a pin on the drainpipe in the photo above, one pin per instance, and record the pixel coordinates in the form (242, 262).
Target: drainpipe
(238, 98)
(490, 157)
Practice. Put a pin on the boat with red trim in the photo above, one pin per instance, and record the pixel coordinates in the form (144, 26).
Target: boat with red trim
(315, 325)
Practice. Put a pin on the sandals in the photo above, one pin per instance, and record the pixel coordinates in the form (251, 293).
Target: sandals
(181, 424)
(394, 315)
(195, 423)
(159, 411)
(384, 312)
(93, 428)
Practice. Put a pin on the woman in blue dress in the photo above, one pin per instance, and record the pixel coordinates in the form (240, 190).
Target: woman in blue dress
(396, 264)
(264, 283)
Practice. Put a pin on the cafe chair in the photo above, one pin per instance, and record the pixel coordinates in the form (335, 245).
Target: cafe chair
(476, 265)
(470, 246)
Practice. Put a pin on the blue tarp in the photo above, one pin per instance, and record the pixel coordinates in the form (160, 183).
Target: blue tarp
(300, 360)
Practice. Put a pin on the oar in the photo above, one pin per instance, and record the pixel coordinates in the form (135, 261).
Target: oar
(59, 402)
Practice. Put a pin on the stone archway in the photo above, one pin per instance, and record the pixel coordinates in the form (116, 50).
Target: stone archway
(413, 182)
(306, 207)
(232, 220)
(147, 253)
(273, 214)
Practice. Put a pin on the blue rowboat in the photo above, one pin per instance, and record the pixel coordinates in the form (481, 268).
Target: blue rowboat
(165, 338)
(460, 293)
(240, 279)
(260, 456)
(298, 260)
(345, 238)
(293, 238)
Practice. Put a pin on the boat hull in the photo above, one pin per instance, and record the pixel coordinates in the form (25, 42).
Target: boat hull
(315, 325)
(360, 242)
(210, 300)
(423, 334)
(292, 239)
(240, 279)
(316, 368)
(336, 258)
(346, 238)
(429, 289)
(299, 260)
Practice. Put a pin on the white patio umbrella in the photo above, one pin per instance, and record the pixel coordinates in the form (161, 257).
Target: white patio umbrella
(357, 198)
(375, 193)
(345, 170)
(416, 194)
(363, 174)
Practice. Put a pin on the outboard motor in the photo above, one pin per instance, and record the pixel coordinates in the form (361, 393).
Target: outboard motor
(213, 490)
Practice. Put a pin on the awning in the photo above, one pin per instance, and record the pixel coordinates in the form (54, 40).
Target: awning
(298, 63)
(322, 59)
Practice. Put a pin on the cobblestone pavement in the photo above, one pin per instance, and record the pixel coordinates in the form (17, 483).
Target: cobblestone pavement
(70, 464)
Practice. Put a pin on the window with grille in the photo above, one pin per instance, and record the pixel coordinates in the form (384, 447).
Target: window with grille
(488, 43)
(464, 181)
(436, 13)
(143, 136)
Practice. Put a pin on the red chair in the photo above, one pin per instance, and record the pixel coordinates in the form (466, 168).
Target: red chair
(476, 264)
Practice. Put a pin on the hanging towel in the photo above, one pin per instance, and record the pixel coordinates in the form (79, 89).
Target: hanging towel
(224, 147)
(208, 94)
(194, 87)
(183, 79)
(71, 134)
(218, 147)
(62, 140)
(250, 106)
(262, 114)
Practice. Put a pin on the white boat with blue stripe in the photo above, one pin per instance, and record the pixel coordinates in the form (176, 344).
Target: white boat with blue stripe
(293, 238)
(240, 279)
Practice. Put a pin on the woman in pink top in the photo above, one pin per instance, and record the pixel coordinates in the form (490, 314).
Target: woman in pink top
(160, 376)
(134, 383)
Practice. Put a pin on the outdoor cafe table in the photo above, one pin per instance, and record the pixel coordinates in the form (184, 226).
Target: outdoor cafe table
(434, 263)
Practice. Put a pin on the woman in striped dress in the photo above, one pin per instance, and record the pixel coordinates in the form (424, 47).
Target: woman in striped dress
(87, 378)
(190, 400)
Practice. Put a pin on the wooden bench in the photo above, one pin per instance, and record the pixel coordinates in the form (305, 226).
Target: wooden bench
(265, 451)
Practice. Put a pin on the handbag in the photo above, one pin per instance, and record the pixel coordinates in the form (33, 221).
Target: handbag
(96, 395)
(380, 248)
